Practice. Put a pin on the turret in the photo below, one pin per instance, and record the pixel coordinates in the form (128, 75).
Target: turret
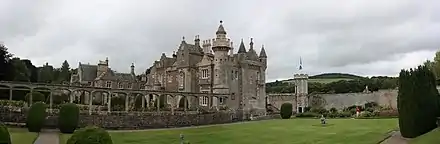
(263, 57)
(197, 41)
(132, 68)
(221, 47)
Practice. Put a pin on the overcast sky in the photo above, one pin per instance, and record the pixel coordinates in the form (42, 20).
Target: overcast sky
(364, 37)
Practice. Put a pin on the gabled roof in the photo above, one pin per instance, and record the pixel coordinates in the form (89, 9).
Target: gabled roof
(88, 72)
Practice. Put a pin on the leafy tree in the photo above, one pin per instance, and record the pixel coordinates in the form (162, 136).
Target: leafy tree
(64, 71)
(418, 101)
(5, 65)
(46, 74)
(21, 73)
(33, 71)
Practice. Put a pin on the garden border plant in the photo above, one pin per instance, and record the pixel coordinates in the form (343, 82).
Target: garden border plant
(36, 117)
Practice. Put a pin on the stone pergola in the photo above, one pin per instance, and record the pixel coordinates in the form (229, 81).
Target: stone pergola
(145, 94)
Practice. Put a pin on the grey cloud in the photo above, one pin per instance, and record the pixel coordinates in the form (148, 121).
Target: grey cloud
(360, 37)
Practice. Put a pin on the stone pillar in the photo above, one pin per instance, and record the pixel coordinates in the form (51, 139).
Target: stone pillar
(158, 103)
(143, 102)
(90, 100)
(50, 101)
(109, 103)
(71, 96)
(185, 105)
(148, 101)
(126, 102)
(30, 96)
(10, 93)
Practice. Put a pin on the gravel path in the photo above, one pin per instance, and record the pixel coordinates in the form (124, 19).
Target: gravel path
(47, 137)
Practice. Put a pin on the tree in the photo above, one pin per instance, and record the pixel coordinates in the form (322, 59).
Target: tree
(64, 74)
(21, 73)
(46, 74)
(5, 66)
(418, 101)
(33, 71)
(435, 65)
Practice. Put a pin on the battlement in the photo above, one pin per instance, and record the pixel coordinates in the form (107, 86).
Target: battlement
(206, 42)
(221, 42)
(300, 76)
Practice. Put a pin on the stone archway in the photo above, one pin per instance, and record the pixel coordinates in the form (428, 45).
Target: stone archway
(183, 101)
(5, 92)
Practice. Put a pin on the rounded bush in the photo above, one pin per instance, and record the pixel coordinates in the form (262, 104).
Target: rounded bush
(90, 135)
(36, 97)
(5, 137)
(286, 110)
(36, 116)
(68, 118)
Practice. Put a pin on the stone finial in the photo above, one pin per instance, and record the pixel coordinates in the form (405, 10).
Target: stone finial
(183, 38)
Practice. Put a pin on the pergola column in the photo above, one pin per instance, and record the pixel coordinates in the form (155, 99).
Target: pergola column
(126, 102)
(10, 93)
(90, 102)
(50, 101)
(71, 96)
(157, 103)
(109, 103)
(148, 100)
(143, 102)
(185, 104)
(30, 96)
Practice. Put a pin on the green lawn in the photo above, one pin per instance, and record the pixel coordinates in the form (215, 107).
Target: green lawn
(293, 131)
(22, 136)
(432, 137)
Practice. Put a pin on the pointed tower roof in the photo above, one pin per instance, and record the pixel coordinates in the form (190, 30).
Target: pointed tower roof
(263, 52)
(221, 29)
(241, 49)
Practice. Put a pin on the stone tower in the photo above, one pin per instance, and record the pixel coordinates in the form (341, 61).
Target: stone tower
(301, 90)
(220, 47)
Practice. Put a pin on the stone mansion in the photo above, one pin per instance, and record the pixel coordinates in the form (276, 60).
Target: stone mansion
(208, 66)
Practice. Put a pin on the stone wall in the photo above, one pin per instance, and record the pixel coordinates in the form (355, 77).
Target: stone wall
(132, 120)
(339, 101)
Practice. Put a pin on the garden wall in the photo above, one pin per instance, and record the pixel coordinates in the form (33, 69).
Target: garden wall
(132, 120)
(387, 98)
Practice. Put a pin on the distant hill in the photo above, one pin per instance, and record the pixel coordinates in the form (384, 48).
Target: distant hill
(330, 77)
(335, 76)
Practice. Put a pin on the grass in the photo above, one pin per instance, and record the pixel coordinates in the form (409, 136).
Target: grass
(22, 136)
(432, 137)
(327, 80)
(293, 131)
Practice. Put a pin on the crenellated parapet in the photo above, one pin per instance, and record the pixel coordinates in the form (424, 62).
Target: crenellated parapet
(300, 76)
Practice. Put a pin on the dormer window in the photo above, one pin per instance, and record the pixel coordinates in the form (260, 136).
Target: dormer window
(129, 85)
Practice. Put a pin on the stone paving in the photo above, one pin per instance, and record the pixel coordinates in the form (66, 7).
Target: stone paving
(396, 138)
(48, 137)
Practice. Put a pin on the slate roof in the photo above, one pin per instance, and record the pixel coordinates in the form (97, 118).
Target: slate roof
(88, 72)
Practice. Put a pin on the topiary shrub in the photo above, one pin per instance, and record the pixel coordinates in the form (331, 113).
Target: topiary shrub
(35, 117)
(68, 118)
(5, 137)
(36, 97)
(90, 135)
(286, 110)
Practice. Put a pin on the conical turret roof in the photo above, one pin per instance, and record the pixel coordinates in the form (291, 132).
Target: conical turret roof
(241, 49)
(221, 29)
(263, 52)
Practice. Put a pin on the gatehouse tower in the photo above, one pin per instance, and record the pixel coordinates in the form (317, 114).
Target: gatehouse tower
(301, 89)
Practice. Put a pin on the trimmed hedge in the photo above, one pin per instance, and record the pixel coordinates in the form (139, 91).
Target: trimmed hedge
(68, 118)
(36, 116)
(286, 110)
(36, 97)
(90, 135)
(5, 137)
